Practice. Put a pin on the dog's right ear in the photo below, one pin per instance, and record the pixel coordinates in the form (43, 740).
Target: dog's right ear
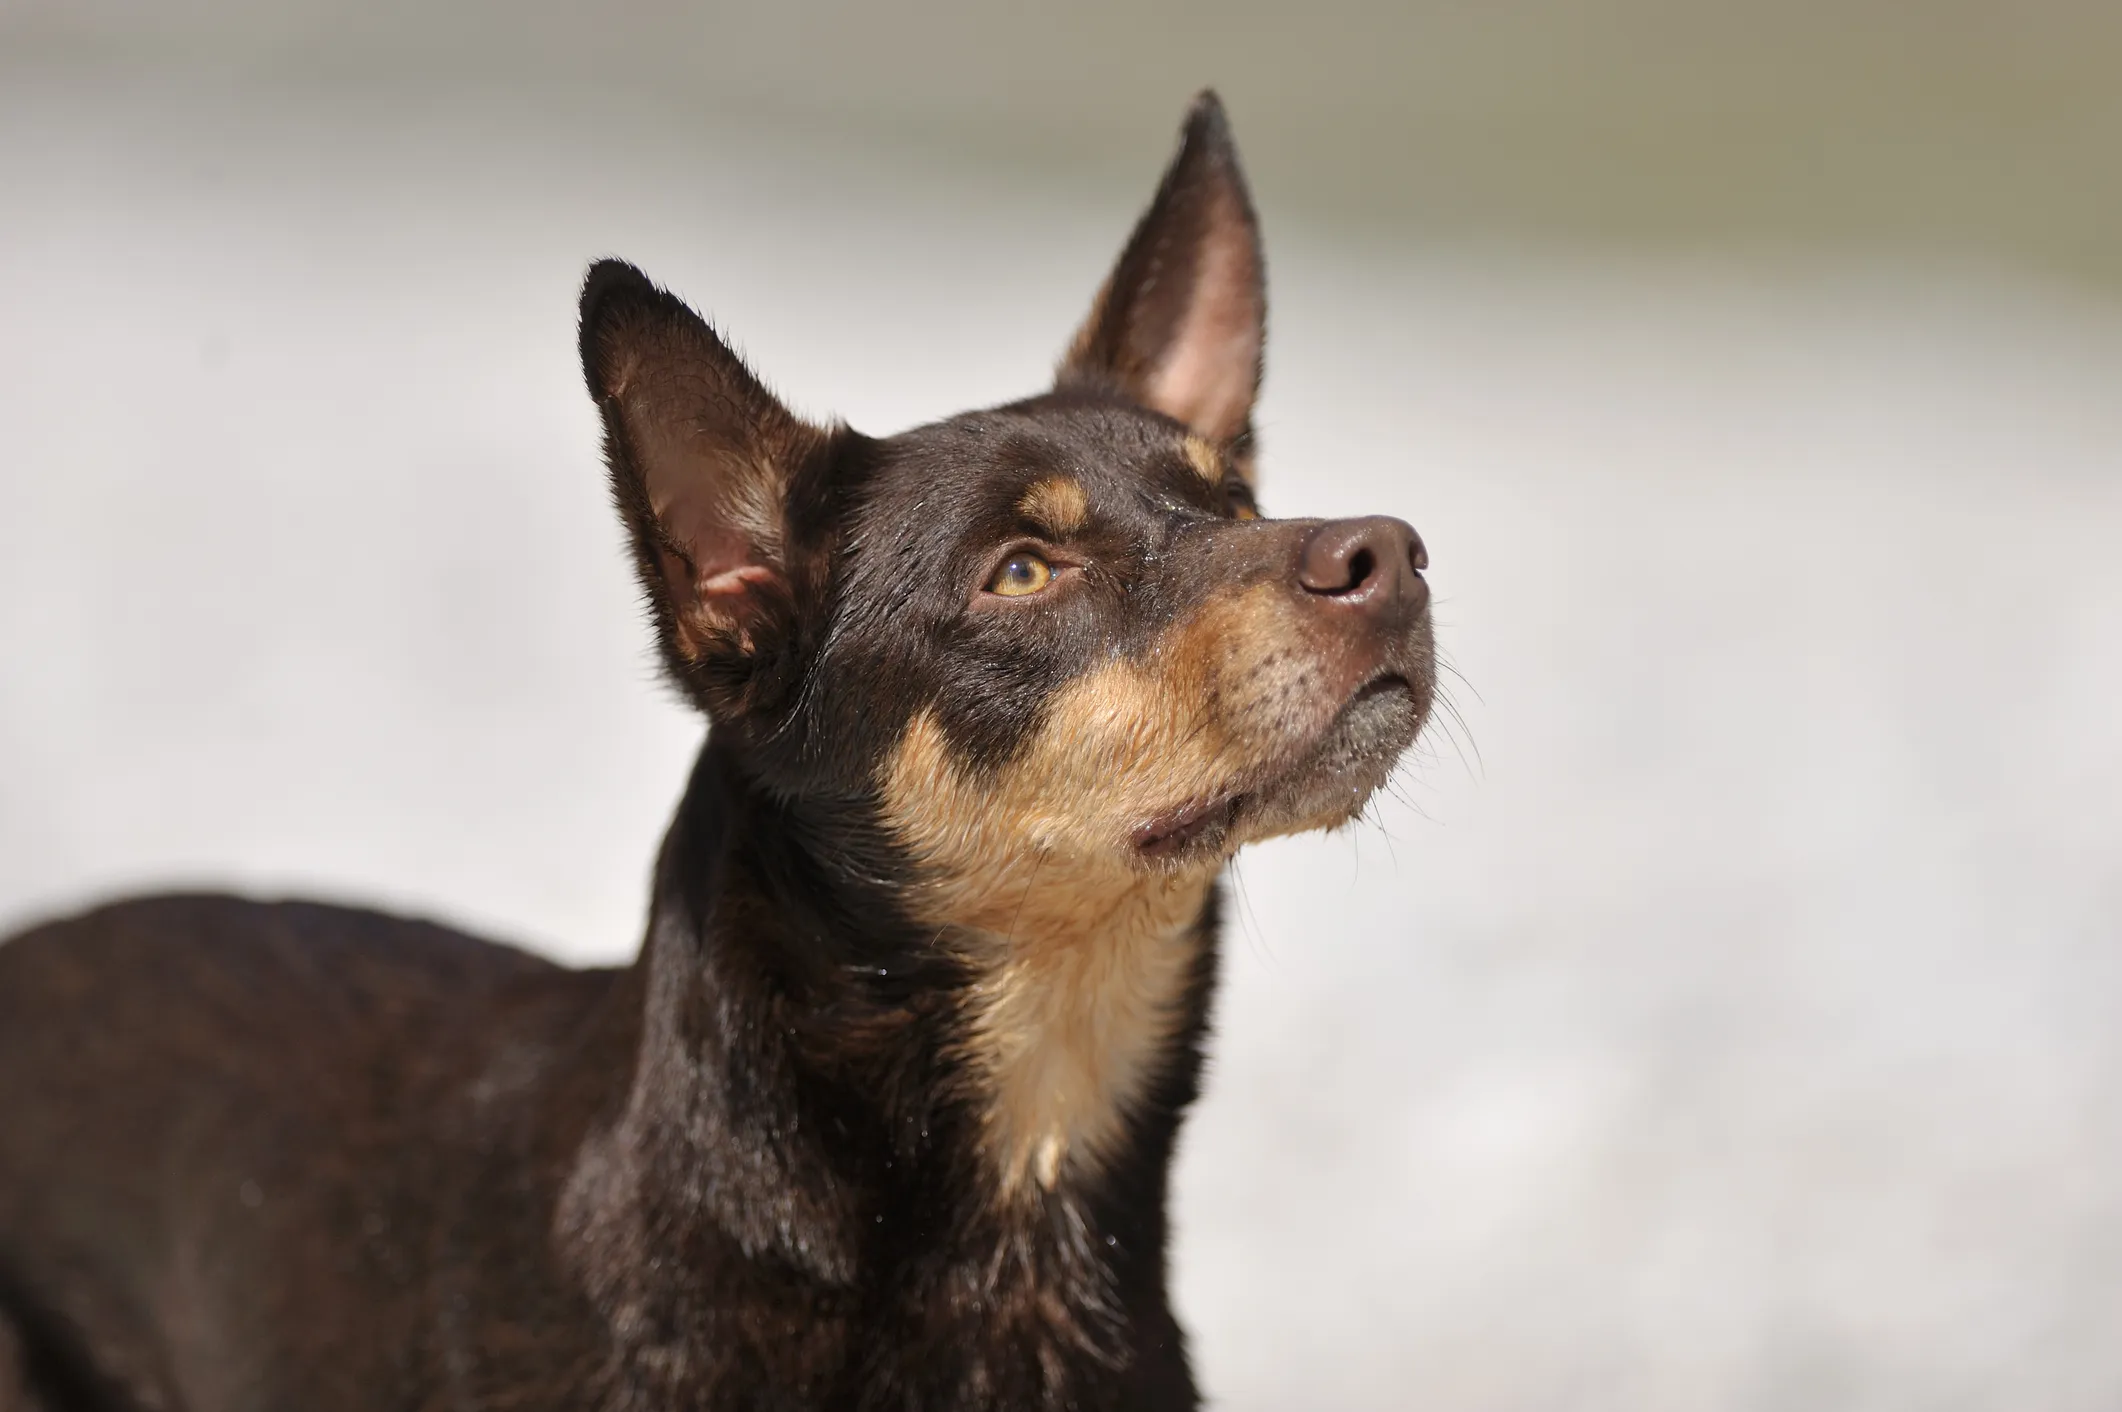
(1181, 323)
(701, 456)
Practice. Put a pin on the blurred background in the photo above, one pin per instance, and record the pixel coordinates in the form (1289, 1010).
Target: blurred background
(1723, 1012)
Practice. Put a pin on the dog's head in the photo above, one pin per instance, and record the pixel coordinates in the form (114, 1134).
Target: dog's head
(1055, 635)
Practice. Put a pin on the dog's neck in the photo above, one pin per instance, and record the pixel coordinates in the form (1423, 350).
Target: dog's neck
(825, 1085)
(1078, 998)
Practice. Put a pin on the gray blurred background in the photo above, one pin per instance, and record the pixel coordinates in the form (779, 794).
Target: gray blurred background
(1722, 1015)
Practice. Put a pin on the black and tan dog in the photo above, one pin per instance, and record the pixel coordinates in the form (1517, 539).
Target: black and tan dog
(883, 1114)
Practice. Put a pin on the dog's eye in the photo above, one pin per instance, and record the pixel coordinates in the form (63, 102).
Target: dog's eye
(1021, 573)
(1241, 504)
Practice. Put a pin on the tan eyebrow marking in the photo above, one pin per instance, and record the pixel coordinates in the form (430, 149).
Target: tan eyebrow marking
(1057, 504)
(1205, 459)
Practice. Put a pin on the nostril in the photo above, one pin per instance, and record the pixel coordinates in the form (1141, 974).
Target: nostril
(1360, 567)
(1349, 559)
(1373, 565)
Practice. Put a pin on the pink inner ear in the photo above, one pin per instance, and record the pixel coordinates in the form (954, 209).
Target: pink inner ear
(733, 580)
(724, 560)
(725, 567)
(713, 594)
(697, 511)
(1207, 378)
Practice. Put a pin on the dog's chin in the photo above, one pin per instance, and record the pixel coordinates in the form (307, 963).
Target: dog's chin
(1326, 785)
(1350, 761)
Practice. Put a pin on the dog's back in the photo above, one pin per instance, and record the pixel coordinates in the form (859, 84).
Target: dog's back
(197, 1088)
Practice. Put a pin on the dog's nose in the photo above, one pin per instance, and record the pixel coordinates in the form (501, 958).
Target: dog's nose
(1372, 564)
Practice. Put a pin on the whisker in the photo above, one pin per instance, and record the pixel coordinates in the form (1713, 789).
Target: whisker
(1256, 935)
(1461, 737)
(1394, 783)
(1376, 818)
(1444, 664)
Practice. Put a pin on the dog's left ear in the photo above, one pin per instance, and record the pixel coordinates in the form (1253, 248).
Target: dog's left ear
(701, 458)
(1181, 324)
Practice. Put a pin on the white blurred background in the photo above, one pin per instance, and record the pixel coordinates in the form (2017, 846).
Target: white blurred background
(1721, 1016)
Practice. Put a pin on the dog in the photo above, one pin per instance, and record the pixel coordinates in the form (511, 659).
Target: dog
(883, 1114)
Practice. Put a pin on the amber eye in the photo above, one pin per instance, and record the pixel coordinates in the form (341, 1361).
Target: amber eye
(1022, 573)
(1244, 510)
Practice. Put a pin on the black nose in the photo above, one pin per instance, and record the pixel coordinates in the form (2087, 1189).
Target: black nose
(1372, 564)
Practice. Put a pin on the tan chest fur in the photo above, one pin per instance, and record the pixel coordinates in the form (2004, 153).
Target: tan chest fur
(1082, 962)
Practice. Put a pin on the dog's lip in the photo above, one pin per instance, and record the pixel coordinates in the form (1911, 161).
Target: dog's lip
(1173, 832)
(1385, 683)
(1377, 685)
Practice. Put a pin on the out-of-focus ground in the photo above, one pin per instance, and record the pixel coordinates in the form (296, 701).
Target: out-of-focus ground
(1721, 1016)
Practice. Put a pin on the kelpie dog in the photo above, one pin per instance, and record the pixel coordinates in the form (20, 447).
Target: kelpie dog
(883, 1114)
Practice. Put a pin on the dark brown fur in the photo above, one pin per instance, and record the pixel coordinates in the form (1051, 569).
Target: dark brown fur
(882, 1115)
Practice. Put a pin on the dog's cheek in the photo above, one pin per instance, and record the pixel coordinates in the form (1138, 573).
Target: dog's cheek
(1232, 691)
(1112, 749)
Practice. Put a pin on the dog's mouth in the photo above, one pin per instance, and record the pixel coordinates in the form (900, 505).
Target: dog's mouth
(1198, 826)
(1335, 773)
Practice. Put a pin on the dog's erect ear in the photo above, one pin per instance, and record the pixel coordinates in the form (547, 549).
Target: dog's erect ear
(1181, 323)
(701, 457)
